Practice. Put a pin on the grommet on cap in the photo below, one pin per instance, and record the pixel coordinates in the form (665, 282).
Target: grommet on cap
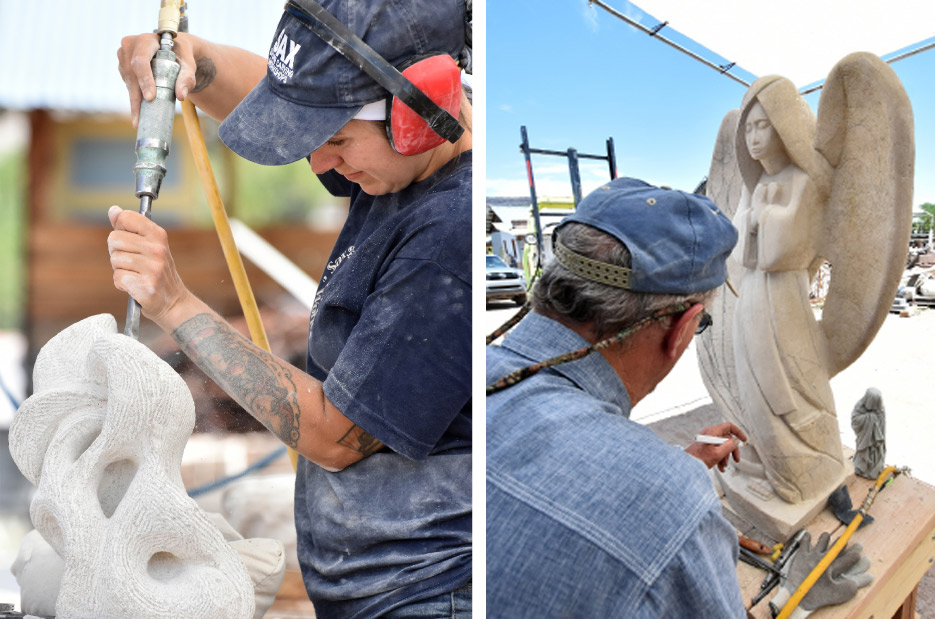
(651, 201)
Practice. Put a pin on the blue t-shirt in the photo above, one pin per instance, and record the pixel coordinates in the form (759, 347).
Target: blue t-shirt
(590, 514)
(389, 336)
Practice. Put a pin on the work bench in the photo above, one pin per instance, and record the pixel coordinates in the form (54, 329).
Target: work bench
(900, 544)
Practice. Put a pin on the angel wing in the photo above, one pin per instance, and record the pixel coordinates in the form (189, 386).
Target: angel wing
(715, 347)
(865, 132)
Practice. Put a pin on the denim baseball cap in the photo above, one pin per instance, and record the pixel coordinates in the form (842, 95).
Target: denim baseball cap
(310, 90)
(679, 242)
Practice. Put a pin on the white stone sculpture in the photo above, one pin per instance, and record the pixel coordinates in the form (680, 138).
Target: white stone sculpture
(38, 572)
(868, 419)
(802, 191)
(38, 569)
(264, 506)
(102, 439)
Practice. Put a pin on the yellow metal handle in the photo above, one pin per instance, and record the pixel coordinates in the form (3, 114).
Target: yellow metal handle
(222, 225)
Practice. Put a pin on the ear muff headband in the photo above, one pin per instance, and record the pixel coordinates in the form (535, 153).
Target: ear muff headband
(352, 47)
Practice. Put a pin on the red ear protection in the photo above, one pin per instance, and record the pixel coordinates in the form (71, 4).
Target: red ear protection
(440, 79)
(431, 85)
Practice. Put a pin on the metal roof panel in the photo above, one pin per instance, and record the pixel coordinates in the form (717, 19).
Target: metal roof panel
(63, 55)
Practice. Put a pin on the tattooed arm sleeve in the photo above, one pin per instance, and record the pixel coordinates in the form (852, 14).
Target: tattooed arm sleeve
(283, 398)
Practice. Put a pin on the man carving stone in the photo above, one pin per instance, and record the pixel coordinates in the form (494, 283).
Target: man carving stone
(571, 481)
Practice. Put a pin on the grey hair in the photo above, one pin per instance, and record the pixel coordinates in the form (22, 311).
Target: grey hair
(563, 294)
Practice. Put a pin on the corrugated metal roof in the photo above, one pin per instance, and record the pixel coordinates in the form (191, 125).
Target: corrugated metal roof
(62, 54)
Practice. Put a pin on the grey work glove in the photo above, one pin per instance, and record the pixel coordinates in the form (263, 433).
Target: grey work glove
(838, 584)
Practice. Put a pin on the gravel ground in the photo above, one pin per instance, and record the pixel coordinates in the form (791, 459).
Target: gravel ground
(925, 605)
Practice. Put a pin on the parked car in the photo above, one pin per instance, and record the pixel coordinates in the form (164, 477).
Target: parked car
(504, 282)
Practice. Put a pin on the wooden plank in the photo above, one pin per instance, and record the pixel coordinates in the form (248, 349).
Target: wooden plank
(292, 587)
(291, 600)
(40, 163)
(907, 610)
(900, 544)
(892, 599)
(291, 609)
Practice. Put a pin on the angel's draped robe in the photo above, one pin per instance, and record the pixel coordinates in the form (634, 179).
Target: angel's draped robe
(785, 394)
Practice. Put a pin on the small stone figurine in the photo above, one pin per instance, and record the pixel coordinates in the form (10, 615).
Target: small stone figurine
(868, 419)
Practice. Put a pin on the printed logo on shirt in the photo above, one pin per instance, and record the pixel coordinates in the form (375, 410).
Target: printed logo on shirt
(334, 264)
(330, 268)
(281, 61)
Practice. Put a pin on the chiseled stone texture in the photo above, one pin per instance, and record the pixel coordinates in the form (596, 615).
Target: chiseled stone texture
(102, 439)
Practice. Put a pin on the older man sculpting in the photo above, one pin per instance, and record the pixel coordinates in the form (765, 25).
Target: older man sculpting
(588, 513)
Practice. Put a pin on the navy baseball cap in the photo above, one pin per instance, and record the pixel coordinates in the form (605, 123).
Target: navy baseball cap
(678, 241)
(310, 90)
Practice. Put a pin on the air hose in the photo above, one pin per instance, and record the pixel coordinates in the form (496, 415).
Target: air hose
(222, 225)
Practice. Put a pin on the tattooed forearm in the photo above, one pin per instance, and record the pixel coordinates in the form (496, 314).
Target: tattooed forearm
(259, 382)
(358, 440)
(205, 72)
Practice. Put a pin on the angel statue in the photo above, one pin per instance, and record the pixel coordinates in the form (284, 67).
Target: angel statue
(802, 191)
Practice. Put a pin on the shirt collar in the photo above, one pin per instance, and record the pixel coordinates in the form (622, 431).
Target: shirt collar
(539, 338)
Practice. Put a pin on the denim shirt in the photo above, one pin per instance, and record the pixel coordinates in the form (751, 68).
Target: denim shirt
(590, 514)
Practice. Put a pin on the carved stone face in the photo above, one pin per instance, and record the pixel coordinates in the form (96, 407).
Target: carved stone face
(761, 138)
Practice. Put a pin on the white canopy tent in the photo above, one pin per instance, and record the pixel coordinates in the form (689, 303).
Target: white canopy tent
(798, 39)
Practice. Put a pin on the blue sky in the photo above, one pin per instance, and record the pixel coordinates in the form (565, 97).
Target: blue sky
(575, 75)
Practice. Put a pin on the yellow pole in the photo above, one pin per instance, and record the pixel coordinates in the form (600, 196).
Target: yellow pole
(222, 225)
(836, 549)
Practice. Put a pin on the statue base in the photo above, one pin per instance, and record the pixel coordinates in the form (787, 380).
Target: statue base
(751, 499)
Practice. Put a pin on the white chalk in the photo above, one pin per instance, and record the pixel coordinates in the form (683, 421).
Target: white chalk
(716, 440)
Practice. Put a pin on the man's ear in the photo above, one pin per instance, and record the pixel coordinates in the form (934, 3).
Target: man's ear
(681, 332)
